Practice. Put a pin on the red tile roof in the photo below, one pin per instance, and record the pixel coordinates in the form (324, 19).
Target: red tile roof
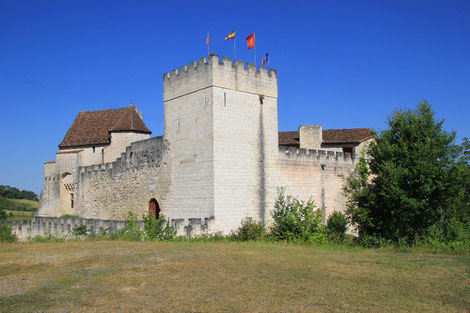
(290, 138)
(94, 127)
(351, 135)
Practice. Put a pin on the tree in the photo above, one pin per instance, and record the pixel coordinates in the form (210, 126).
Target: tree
(413, 177)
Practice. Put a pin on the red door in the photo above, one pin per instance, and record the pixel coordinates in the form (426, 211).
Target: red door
(153, 208)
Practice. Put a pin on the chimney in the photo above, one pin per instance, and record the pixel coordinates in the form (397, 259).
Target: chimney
(310, 136)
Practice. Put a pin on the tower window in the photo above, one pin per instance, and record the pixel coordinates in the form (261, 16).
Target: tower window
(177, 124)
(71, 200)
(225, 99)
(261, 99)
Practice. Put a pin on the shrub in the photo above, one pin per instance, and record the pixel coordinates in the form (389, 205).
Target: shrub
(6, 235)
(337, 225)
(158, 229)
(3, 215)
(249, 230)
(130, 231)
(81, 230)
(295, 219)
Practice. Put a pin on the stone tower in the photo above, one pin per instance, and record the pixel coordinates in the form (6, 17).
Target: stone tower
(221, 123)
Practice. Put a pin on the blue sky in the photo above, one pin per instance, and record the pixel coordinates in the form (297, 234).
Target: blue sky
(343, 64)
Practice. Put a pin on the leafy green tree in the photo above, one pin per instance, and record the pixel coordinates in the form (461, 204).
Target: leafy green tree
(414, 176)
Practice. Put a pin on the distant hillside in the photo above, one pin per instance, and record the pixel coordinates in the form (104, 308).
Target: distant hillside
(15, 193)
(18, 204)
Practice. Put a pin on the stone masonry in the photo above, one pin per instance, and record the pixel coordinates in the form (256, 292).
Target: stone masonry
(218, 161)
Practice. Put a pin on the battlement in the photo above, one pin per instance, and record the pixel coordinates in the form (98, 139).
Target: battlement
(321, 156)
(146, 152)
(213, 72)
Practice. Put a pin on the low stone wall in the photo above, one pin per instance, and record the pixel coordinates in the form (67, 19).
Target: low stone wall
(63, 226)
(60, 226)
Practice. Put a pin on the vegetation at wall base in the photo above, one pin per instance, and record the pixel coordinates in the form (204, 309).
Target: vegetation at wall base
(412, 187)
(6, 235)
(295, 219)
(250, 230)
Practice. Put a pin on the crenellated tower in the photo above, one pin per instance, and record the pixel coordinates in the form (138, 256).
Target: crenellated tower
(221, 122)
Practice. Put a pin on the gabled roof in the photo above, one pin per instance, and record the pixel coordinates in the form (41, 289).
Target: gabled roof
(351, 135)
(94, 127)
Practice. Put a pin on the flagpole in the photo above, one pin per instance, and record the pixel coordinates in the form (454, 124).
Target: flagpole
(255, 51)
(234, 45)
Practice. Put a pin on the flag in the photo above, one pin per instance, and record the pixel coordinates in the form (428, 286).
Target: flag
(250, 40)
(207, 40)
(231, 35)
(265, 59)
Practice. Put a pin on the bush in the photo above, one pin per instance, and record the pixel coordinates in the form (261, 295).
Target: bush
(130, 231)
(294, 219)
(6, 235)
(158, 229)
(81, 230)
(3, 215)
(337, 225)
(249, 230)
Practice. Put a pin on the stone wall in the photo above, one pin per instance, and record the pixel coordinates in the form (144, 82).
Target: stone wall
(111, 190)
(316, 175)
(60, 226)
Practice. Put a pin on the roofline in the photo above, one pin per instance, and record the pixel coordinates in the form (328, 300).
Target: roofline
(131, 131)
(83, 146)
(71, 151)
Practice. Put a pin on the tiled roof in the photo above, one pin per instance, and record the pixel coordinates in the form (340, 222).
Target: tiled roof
(351, 135)
(290, 138)
(346, 135)
(93, 127)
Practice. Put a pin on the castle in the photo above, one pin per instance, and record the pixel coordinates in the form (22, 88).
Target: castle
(221, 157)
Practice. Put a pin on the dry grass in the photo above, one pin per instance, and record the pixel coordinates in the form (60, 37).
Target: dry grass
(119, 276)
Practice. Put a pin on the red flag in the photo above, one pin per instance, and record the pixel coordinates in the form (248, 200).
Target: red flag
(250, 40)
(207, 40)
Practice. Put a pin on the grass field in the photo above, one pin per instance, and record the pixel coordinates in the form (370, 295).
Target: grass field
(21, 209)
(120, 276)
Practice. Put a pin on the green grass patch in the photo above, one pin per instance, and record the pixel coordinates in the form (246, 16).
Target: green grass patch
(18, 216)
(18, 204)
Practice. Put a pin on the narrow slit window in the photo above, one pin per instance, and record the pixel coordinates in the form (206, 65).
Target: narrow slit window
(71, 200)
(225, 99)
(177, 124)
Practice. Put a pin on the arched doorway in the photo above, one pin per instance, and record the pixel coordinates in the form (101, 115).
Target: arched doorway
(154, 208)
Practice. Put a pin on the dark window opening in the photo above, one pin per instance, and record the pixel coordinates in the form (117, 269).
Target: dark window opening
(348, 150)
(71, 200)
